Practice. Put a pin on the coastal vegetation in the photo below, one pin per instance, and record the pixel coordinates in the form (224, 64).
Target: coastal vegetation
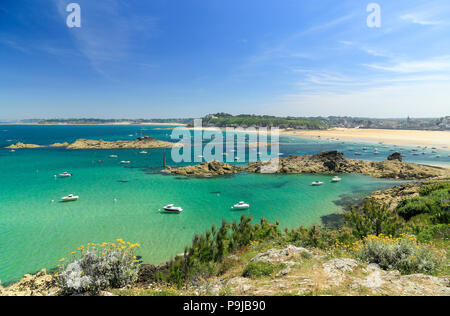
(96, 267)
(228, 120)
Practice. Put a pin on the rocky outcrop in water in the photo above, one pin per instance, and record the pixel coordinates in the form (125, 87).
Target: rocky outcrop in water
(206, 169)
(139, 143)
(20, 145)
(331, 162)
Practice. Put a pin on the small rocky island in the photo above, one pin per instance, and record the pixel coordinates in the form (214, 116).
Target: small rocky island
(139, 143)
(331, 162)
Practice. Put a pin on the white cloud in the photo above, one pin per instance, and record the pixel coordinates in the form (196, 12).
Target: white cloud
(436, 64)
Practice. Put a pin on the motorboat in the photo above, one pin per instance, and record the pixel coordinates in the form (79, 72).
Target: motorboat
(317, 183)
(113, 156)
(70, 198)
(143, 152)
(336, 179)
(12, 151)
(241, 206)
(172, 208)
(125, 162)
(65, 175)
(358, 153)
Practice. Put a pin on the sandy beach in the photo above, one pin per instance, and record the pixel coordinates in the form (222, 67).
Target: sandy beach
(438, 139)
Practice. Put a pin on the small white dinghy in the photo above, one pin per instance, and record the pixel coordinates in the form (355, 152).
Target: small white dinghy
(143, 152)
(171, 208)
(336, 179)
(125, 162)
(113, 156)
(70, 198)
(65, 175)
(317, 183)
(241, 206)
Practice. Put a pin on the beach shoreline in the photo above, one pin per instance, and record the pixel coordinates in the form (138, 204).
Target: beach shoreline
(410, 138)
(439, 139)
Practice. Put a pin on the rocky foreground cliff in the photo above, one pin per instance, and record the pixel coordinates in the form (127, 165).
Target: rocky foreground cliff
(331, 162)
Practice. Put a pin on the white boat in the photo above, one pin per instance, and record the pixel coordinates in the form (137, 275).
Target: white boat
(12, 151)
(65, 175)
(113, 156)
(125, 162)
(241, 206)
(317, 183)
(358, 154)
(143, 152)
(336, 179)
(172, 208)
(70, 198)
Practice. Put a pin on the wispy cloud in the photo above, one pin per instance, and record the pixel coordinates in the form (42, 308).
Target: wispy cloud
(436, 64)
(417, 19)
(109, 33)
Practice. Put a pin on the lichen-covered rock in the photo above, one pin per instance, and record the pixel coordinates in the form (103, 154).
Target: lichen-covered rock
(206, 169)
(40, 284)
(281, 255)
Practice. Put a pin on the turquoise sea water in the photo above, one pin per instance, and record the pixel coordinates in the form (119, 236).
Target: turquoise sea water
(123, 201)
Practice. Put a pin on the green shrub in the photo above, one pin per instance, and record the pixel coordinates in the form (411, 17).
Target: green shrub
(260, 269)
(440, 231)
(403, 254)
(373, 219)
(429, 188)
(416, 206)
(98, 267)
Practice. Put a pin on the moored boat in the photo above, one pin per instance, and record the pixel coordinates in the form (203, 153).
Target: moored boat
(65, 175)
(241, 206)
(171, 208)
(336, 179)
(70, 198)
(317, 183)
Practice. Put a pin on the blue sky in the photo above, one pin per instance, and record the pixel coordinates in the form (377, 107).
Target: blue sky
(159, 59)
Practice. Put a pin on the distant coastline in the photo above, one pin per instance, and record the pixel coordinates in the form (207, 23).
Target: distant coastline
(96, 124)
